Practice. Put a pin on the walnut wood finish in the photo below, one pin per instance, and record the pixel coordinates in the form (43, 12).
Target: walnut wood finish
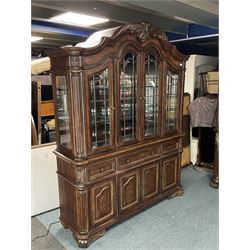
(215, 180)
(100, 186)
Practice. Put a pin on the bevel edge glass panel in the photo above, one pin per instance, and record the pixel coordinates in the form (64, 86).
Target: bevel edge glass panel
(171, 92)
(151, 94)
(63, 112)
(128, 90)
(99, 109)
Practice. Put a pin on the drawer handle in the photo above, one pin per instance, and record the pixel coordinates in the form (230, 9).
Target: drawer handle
(127, 161)
(101, 169)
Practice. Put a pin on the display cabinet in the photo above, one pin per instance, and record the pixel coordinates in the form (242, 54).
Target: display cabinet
(118, 110)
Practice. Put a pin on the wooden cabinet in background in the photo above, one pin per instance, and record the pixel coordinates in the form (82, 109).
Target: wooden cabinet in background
(185, 157)
(118, 111)
(42, 108)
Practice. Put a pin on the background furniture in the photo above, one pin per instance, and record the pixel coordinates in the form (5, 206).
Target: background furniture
(43, 108)
(185, 157)
(118, 108)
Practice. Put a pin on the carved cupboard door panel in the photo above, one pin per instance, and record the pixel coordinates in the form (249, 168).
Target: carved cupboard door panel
(102, 200)
(169, 173)
(129, 188)
(150, 183)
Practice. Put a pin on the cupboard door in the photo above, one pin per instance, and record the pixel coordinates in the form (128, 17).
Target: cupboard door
(103, 202)
(129, 188)
(171, 109)
(169, 173)
(151, 95)
(150, 183)
(100, 108)
(127, 111)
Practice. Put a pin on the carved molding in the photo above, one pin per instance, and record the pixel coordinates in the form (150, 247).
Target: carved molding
(85, 240)
(143, 31)
(80, 176)
(76, 90)
(75, 61)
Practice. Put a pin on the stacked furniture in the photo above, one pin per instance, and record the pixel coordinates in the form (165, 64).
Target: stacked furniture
(118, 108)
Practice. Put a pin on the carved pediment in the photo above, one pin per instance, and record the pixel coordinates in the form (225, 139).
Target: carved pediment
(143, 31)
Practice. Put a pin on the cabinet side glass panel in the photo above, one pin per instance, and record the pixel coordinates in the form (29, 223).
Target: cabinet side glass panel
(171, 101)
(99, 109)
(128, 89)
(63, 112)
(151, 95)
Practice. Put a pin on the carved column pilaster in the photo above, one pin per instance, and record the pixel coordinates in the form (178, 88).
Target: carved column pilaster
(82, 200)
(77, 105)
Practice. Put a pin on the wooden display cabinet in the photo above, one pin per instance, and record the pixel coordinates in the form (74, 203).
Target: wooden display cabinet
(118, 109)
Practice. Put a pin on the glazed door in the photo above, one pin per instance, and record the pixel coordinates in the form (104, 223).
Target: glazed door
(100, 106)
(170, 102)
(149, 179)
(150, 93)
(169, 172)
(129, 190)
(63, 114)
(127, 87)
(102, 202)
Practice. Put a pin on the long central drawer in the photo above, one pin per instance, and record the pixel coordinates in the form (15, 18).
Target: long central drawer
(139, 156)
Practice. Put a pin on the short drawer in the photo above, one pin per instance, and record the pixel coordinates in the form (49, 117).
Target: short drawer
(98, 170)
(139, 156)
(170, 147)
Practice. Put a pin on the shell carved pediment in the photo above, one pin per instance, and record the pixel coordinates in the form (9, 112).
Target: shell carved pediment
(143, 31)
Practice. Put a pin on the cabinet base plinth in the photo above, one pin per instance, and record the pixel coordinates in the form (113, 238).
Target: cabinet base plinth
(84, 241)
(214, 182)
(63, 223)
(179, 192)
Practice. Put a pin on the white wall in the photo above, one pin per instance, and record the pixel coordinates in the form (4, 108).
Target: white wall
(190, 80)
(44, 185)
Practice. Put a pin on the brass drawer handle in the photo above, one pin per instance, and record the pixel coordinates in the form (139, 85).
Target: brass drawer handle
(101, 169)
(127, 161)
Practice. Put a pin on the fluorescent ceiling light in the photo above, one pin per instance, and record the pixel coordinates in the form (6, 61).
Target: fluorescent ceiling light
(36, 38)
(78, 19)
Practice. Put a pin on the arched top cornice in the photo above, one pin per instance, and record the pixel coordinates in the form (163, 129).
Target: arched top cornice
(141, 34)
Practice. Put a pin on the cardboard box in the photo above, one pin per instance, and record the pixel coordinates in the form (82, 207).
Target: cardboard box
(212, 80)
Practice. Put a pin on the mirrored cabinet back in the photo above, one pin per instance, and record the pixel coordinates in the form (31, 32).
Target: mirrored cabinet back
(118, 108)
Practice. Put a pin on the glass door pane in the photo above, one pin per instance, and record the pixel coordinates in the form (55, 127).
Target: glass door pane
(151, 95)
(63, 111)
(128, 88)
(99, 109)
(171, 101)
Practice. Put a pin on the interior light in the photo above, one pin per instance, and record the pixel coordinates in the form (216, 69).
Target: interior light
(78, 19)
(36, 38)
